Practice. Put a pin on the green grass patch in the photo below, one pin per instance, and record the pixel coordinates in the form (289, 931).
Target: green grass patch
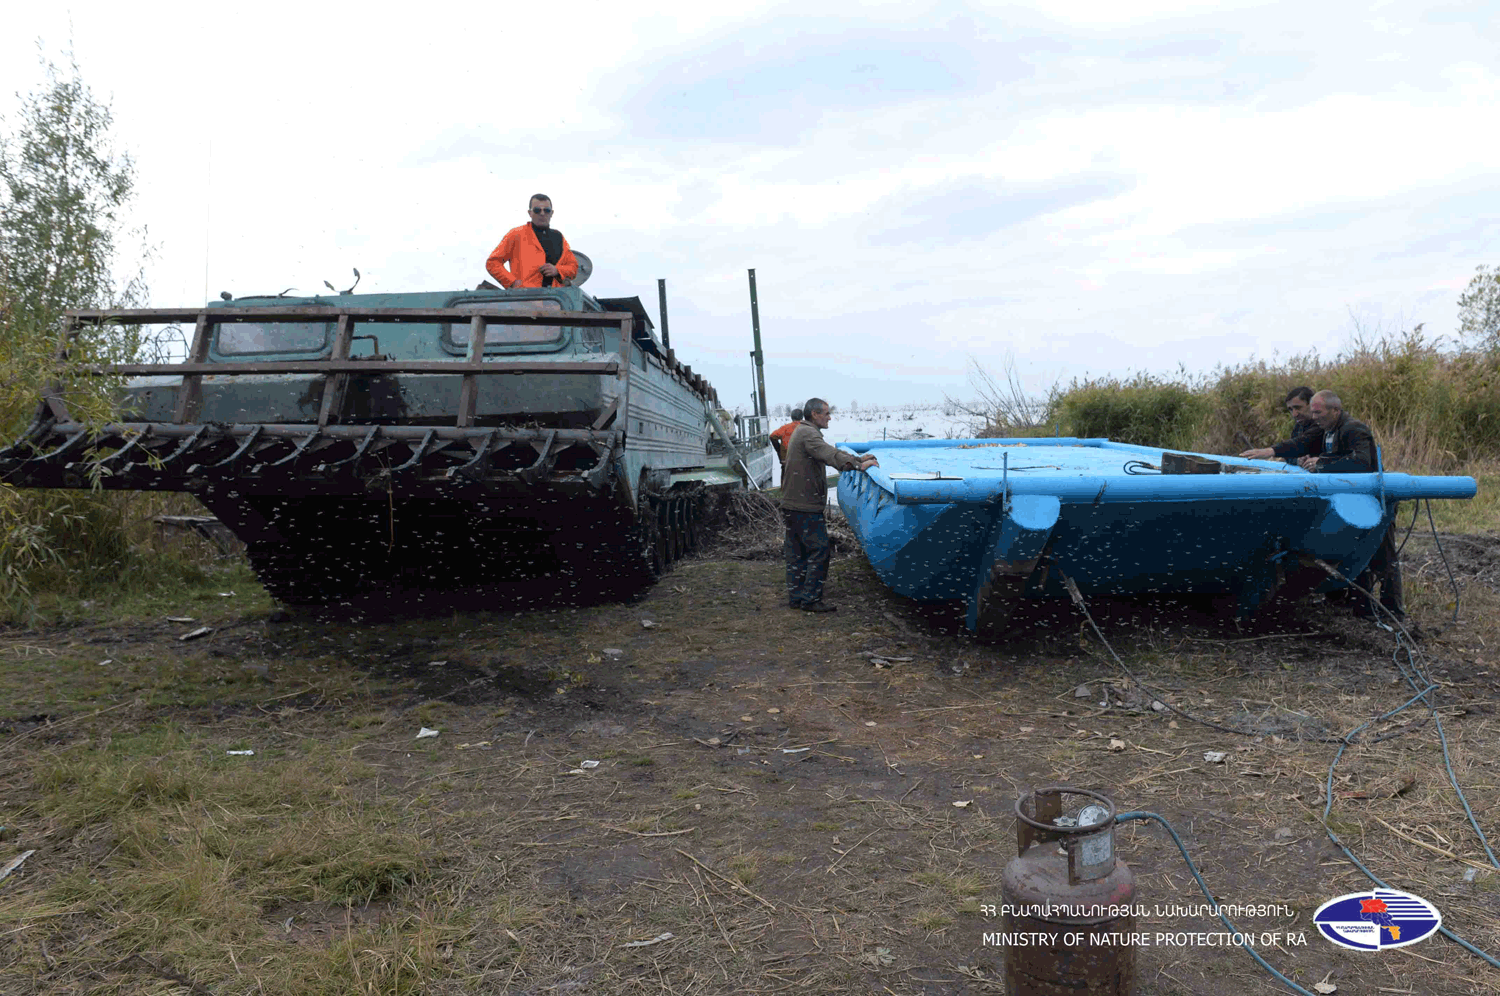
(198, 851)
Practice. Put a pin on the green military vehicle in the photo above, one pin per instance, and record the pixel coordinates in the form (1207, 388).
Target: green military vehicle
(366, 441)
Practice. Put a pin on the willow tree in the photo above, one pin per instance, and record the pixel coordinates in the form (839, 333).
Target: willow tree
(64, 193)
(1479, 310)
(64, 190)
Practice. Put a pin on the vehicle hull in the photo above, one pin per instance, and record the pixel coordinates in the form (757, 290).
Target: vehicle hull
(478, 431)
(991, 521)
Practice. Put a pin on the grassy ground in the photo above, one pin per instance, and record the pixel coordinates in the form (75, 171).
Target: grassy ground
(775, 791)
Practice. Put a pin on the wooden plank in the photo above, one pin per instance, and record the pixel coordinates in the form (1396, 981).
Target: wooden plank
(52, 396)
(303, 313)
(58, 407)
(190, 394)
(469, 392)
(300, 430)
(454, 367)
(607, 414)
(622, 399)
(335, 383)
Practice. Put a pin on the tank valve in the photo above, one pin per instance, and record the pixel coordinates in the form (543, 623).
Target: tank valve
(1068, 916)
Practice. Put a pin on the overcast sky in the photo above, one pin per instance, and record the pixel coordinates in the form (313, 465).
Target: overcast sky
(1095, 187)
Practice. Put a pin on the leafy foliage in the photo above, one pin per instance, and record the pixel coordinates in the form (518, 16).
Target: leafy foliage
(63, 196)
(1433, 410)
(1145, 410)
(1479, 310)
(64, 190)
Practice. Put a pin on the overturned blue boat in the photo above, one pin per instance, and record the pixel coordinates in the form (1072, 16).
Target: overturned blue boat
(993, 521)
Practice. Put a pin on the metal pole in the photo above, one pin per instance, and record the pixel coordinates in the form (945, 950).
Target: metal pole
(760, 365)
(661, 294)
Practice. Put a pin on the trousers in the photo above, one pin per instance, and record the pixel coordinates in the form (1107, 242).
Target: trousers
(1385, 567)
(807, 551)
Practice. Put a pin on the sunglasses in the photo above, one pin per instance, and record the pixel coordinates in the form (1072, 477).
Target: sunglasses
(541, 210)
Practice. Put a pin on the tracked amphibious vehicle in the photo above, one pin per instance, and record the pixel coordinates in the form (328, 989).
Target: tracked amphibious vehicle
(356, 442)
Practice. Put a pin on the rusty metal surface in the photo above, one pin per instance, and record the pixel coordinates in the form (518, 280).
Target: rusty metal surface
(495, 366)
(306, 460)
(1047, 898)
(1037, 810)
(303, 313)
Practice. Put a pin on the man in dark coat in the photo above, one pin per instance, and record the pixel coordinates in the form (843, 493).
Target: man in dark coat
(1298, 401)
(804, 499)
(1345, 446)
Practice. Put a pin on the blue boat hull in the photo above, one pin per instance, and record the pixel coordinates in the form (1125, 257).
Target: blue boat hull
(990, 521)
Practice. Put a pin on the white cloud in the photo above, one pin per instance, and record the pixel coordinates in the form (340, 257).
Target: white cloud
(1128, 186)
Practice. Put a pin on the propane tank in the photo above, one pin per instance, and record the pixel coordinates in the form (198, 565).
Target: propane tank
(1074, 902)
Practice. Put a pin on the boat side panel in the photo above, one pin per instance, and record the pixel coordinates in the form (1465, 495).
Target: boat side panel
(1026, 528)
(933, 549)
(1111, 548)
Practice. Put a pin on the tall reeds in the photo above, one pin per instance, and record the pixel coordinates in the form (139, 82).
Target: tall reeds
(1432, 409)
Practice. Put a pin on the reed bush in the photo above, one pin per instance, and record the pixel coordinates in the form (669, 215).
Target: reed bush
(1145, 410)
(1433, 410)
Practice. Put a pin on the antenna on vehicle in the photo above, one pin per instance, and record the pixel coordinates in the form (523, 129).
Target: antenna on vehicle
(757, 357)
(661, 290)
(351, 286)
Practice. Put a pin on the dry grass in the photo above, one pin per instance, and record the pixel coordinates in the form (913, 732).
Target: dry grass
(755, 529)
(345, 856)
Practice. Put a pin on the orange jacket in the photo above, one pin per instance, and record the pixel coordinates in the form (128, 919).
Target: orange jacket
(524, 253)
(781, 436)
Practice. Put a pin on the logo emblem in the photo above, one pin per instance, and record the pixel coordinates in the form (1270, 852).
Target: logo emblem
(1374, 921)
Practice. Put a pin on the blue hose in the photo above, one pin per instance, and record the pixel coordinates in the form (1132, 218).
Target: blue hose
(1141, 815)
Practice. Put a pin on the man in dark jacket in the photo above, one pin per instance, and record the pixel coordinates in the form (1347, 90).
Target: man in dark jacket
(1345, 446)
(1335, 444)
(1298, 401)
(804, 499)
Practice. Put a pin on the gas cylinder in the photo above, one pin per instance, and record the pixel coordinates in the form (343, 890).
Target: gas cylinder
(1067, 903)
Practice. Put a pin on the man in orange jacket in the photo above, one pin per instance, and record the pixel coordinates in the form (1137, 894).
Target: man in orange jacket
(537, 253)
(783, 435)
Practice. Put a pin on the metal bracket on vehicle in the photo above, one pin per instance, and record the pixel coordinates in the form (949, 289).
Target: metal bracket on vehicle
(234, 458)
(608, 413)
(544, 461)
(359, 451)
(117, 458)
(479, 464)
(417, 454)
(52, 455)
(300, 449)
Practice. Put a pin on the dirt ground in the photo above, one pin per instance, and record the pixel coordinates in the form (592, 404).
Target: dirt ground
(782, 802)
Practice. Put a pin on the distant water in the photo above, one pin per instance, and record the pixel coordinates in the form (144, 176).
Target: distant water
(860, 424)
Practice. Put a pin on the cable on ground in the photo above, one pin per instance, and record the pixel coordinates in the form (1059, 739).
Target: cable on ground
(1142, 815)
(1411, 670)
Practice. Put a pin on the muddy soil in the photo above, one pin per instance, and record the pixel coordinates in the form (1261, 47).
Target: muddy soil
(824, 804)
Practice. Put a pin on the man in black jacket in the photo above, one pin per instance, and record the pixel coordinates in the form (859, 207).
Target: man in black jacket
(1345, 446)
(1298, 402)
